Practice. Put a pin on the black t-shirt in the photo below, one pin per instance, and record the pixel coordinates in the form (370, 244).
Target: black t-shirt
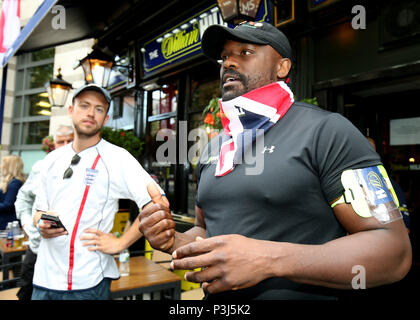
(304, 154)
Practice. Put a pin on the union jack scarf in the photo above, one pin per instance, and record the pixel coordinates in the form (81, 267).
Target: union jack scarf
(258, 109)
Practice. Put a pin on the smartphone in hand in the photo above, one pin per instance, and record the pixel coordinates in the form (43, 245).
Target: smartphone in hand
(54, 221)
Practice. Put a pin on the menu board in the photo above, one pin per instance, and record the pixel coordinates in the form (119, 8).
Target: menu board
(404, 131)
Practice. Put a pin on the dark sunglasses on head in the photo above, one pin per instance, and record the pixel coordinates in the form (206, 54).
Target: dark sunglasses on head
(69, 171)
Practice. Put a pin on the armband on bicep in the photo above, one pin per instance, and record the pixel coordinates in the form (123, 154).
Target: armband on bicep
(370, 192)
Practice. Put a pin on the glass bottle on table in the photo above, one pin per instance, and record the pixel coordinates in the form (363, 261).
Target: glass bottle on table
(124, 259)
(17, 234)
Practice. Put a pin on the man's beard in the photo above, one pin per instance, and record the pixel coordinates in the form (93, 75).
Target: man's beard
(232, 92)
(248, 84)
(86, 133)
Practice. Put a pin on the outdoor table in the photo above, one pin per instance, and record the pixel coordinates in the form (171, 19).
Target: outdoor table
(146, 276)
(8, 253)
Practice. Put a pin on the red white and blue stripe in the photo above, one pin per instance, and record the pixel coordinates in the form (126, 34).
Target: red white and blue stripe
(243, 116)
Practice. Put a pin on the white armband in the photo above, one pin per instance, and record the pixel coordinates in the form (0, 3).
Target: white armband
(370, 192)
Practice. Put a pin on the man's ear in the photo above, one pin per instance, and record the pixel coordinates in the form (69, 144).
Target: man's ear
(283, 67)
(106, 120)
(70, 110)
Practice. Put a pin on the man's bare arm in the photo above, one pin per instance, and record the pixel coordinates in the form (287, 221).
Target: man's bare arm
(383, 250)
(236, 262)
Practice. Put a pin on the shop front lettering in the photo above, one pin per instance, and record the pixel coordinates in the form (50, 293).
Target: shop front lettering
(179, 41)
(248, 7)
(214, 17)
(153, 54)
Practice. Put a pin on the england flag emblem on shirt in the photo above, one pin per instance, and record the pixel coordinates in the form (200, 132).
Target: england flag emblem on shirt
(90, 176)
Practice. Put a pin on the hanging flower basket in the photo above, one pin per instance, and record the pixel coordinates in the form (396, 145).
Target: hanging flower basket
(48, 144)
(213, 118)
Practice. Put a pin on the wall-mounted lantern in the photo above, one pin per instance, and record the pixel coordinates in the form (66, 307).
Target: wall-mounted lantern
(57, 90)
(236, 11)
(97, 68)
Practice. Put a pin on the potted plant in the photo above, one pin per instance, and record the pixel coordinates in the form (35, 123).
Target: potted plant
(123, 138)
(48, 144)
(213, 118)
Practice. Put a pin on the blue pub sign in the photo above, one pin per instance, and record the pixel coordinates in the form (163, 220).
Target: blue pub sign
(184, 40)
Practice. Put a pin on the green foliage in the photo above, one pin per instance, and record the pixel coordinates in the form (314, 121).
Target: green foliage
(310, 101)
(125, 139)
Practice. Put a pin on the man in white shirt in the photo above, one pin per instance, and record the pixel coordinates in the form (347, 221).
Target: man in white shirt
(81, 183)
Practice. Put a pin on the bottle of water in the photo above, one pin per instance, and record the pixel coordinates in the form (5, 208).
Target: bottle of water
(124, 263)
(15, 228)
(10, 237)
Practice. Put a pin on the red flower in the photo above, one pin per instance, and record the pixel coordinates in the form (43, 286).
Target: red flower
(122, 134)
(48, 144)
(209, 119)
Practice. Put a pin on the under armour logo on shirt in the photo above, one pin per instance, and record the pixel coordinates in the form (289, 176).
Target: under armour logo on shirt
(258, 109)
(270, 150)
(241, 111)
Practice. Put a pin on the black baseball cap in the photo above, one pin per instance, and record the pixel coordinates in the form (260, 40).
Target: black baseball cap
(263, 33)
(93, 87)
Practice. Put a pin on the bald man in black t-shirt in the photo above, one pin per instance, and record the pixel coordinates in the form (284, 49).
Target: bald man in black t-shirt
(279, 234)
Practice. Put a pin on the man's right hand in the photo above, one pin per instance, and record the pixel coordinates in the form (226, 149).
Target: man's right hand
(156, 221)
(44, 227)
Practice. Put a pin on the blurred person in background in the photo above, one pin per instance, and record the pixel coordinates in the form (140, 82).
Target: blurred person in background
(24, 206)
(12, 178)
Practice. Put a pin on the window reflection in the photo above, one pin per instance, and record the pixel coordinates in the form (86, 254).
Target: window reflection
(203, 90)
(38, 76)
(37, 105)
(17, 110)
(16, 133)
(163, 153)
(164, 100)
(34, 132)
(42, 54)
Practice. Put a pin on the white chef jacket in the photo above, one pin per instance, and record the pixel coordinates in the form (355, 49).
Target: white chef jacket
(91, 193)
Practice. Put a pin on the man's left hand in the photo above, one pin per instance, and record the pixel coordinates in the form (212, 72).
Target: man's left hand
(231, 262)
(98, 240)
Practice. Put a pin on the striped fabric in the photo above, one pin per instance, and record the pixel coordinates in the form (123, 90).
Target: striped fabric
(246, 117)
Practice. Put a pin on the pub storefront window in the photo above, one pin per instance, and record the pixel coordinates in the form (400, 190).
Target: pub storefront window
(203, 89)
(162, 132)
(175, 112)
(31, 110)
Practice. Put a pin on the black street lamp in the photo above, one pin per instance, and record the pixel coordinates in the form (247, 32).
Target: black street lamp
(236, 11)
(57, 90)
